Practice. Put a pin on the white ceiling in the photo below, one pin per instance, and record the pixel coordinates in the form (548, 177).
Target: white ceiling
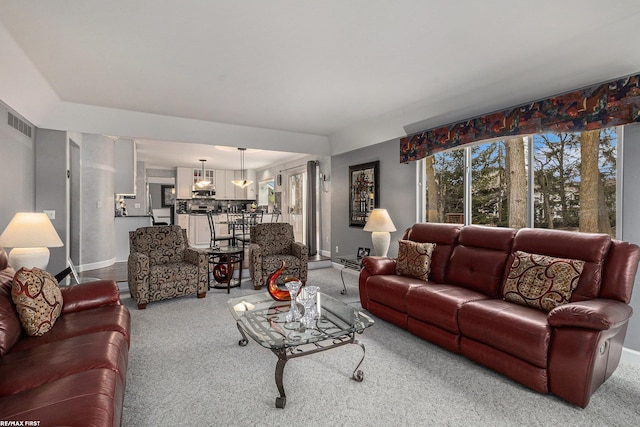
(299, 76)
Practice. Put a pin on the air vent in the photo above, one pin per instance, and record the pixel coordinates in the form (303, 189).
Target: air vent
(19, 124)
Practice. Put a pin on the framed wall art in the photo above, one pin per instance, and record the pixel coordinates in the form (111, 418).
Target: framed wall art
(168, 195)
(363, 192)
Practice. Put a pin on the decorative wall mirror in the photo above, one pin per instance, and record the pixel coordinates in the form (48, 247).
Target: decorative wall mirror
(363, 192)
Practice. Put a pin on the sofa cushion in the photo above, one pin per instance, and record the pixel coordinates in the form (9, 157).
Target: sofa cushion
(414, 259)
(478, 261)
(88, 398)
(520, 331)
(391, 290)
(38, 300)
(588, 247)
(23, 370)
(445, 237)
(106, 318)
(438, 304)
(541, 281)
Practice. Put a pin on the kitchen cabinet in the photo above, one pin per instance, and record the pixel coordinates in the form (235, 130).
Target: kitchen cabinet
(209, 175)
(125, 165)
(224, 186)
(199, 233)
(183, 221)
(184, 183)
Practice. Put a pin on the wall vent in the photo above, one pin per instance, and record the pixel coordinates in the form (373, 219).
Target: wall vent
(19, 124)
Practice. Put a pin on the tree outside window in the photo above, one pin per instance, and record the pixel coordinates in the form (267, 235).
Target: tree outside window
(574, 182)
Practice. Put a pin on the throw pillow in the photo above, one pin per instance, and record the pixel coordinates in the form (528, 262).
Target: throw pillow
(541, 281)
(414, 259)
(38, 300)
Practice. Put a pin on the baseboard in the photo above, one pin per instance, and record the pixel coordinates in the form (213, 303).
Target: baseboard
(630, 356)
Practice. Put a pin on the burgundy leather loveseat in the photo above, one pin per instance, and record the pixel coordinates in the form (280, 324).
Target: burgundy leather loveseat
(73, 375)
(569, 351)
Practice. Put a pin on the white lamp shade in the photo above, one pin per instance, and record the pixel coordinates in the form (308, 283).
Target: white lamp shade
(379, 220)
(29, 234)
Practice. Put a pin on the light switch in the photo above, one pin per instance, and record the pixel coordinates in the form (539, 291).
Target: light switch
(50, 214)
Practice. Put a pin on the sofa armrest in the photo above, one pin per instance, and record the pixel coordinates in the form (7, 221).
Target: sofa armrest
(597, 314)
(377, 265)
(89, 295)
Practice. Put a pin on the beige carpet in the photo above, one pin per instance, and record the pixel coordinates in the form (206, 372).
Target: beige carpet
(186, 369)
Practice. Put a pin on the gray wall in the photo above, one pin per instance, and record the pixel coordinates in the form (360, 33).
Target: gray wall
(97, 223)
(51, 188)
(397, 195)
(630, 222)
(17, 151)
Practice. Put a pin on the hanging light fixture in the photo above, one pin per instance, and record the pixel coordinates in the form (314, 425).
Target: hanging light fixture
(203, 182)
(242, 183)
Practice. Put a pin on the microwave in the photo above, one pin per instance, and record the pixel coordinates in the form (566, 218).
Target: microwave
(199, 193)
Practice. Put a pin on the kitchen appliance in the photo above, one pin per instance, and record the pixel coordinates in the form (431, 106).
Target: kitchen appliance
(203, 193)
(199, 209)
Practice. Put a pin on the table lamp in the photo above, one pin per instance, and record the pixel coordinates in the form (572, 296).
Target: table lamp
(380, 224)
(30, 234)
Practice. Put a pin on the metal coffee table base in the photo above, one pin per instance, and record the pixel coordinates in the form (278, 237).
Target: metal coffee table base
(284, 354)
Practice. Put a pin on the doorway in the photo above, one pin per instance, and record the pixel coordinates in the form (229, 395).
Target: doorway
(297, 204)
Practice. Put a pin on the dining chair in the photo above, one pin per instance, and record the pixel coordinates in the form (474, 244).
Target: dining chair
(214, 228)
(243, 226)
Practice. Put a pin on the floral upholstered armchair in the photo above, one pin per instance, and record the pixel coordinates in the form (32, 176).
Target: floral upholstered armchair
(272, 243)
(162, 265)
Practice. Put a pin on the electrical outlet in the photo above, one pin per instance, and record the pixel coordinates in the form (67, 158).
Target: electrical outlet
(50, 214)
(337, 249)
(137, 205)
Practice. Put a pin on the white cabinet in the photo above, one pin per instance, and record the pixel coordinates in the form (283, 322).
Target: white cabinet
(125, 166)
(199, 233)
(225, 190)
(183, 221)
(184, 183)
(209, 175)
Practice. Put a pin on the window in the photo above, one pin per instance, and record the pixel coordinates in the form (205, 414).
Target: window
(572, 184)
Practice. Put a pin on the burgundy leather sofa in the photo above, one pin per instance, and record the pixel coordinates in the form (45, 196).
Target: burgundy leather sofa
(75, 374)
(569, 351)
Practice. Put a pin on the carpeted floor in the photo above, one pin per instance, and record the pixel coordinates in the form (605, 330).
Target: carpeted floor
(186, 369)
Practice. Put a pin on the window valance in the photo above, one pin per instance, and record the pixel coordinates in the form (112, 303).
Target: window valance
(604, 105)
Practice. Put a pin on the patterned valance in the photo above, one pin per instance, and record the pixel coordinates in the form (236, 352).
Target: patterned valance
(604, 105)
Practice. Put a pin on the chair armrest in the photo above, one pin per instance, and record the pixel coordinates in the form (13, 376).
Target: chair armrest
(138, 276)
(300, 250)
(377, 265)
(192, 255)
(255, 264)
(89, 295)
(597, 314)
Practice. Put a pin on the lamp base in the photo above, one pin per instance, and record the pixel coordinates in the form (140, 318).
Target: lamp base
(381, 240)
(29, 258)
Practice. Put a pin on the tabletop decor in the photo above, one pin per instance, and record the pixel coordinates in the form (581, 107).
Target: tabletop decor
(275, 291)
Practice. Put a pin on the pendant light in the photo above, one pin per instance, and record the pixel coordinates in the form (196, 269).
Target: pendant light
(242, 183)
(202, 182)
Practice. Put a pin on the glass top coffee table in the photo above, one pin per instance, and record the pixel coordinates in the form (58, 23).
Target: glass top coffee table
(328, 324)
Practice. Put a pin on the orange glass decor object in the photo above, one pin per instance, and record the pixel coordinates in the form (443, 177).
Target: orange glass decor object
(275, 291)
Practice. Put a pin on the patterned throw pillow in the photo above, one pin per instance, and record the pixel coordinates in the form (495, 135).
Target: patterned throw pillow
(541, 281)
(414, 259)
(38, 300)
